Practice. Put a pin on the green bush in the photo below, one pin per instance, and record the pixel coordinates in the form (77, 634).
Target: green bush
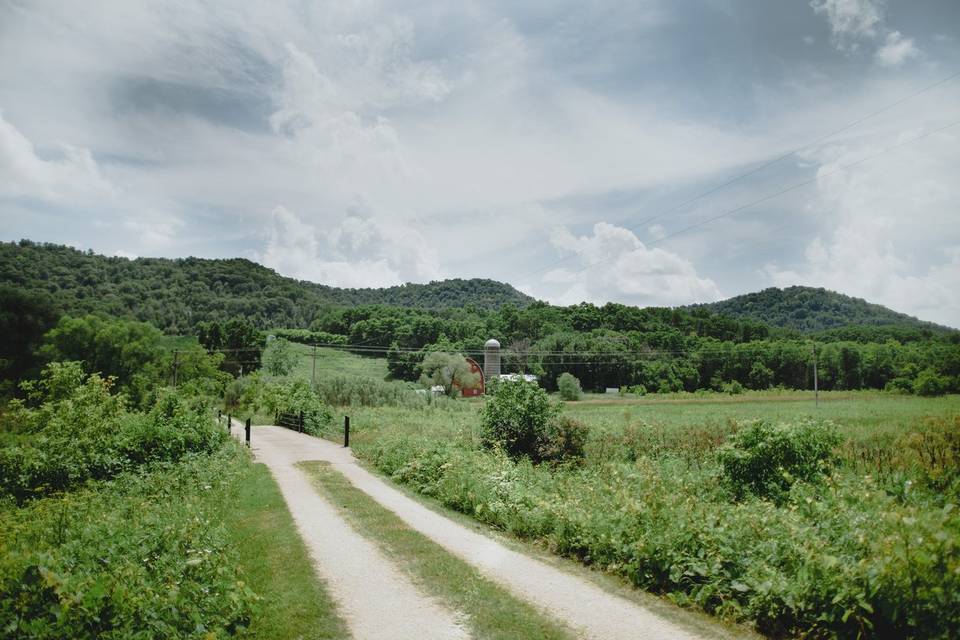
(353, 391)
(517, 417)
(80, 431)
(766, 459)
(564, 439)
(296, 397)
(734, 388)
(569, 387)
(141, 556)
(930, 383)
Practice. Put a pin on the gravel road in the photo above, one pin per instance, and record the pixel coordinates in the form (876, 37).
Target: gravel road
(583, 606)
(376, 599)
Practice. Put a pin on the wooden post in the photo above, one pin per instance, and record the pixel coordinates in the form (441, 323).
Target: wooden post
(300, 421)
(346, 431)
(248, 432)
(229, 423)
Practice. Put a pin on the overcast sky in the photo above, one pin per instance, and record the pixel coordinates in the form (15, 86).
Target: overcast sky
(553, 145)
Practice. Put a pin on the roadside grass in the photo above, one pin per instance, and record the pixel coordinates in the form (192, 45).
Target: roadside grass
(294, 603)
(491, 610)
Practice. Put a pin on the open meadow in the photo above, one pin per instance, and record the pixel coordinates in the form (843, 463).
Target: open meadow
(834, 520)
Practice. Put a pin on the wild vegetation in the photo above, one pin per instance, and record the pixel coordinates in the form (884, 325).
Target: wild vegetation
(796, 523)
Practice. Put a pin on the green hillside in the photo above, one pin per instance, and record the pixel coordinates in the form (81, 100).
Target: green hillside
(175, 295)
(810, 310)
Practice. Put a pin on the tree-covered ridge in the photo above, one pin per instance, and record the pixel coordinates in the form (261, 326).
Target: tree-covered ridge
(810, 309)
(175, 295)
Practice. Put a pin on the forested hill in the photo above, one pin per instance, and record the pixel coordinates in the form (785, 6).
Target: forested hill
(176, 294)
(810, 310)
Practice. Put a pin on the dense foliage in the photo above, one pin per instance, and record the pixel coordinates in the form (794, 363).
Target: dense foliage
(230, 303)
(811, 309)
(80, 431)
(767, 459)
(843, 554)
(143, 556)
(520, 419)
(174, 295)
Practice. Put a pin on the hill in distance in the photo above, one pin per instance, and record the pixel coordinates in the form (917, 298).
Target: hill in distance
(175, 294)
(811, 310)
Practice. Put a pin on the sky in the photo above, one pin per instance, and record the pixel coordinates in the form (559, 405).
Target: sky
(648, 152)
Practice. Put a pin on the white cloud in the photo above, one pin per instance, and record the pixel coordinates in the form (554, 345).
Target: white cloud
(879, 223)
(73, 173)
(858, 22)
(616, 265)
(359, 252)
(851, 20)
(896, 50)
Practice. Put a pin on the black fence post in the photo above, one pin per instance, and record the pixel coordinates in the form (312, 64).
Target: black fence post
(229, 423)
(300, 421)
(248, 432)
(346, 431)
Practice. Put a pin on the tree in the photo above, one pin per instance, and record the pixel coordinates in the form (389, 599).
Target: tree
(24, 318)
(569, 386)
(448, 370)
(279, 358)
(761, 376)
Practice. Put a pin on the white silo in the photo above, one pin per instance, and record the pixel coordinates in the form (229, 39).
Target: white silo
(491, 359)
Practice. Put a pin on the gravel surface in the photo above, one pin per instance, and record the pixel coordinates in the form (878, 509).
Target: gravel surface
(581, 605)
(375, 598)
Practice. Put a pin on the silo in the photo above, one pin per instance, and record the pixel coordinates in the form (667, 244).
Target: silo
(491, 359)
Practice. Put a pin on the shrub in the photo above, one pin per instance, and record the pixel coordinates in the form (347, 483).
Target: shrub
(353, 391)
(767, 459)
(81, 431)
(142, 556)
(520, 419)
(516, 418)
(569, 386)
(295, 397)
(565, 439)
(930, 383)
(734, 388)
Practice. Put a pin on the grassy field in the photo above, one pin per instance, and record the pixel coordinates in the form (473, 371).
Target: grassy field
(872, 550)
(336, 362)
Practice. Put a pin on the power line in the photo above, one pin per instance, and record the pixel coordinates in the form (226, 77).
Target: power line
(769, 163)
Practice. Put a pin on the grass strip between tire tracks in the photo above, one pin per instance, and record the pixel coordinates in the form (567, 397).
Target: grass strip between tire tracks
(294, 603)
(491, 610)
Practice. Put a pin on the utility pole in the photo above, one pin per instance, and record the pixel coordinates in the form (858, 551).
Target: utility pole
(176, 356)
(313, 372)
(816, 388)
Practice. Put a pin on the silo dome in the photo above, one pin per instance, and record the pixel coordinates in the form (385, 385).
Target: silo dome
(492, 343)
(491, 359)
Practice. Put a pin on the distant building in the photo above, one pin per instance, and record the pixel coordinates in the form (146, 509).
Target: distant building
(513, 377)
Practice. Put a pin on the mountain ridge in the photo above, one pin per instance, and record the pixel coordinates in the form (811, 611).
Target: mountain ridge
(813, 309)
(177, 293)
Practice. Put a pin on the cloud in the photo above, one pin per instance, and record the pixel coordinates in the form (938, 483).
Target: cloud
(71, 172)
(854, 23)
(851, 21)
(896, 50)
(358, 252)
(616, 265)
(878, 224)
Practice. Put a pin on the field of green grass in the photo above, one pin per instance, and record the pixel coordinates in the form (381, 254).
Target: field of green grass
(336, 362)
(871, 549)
